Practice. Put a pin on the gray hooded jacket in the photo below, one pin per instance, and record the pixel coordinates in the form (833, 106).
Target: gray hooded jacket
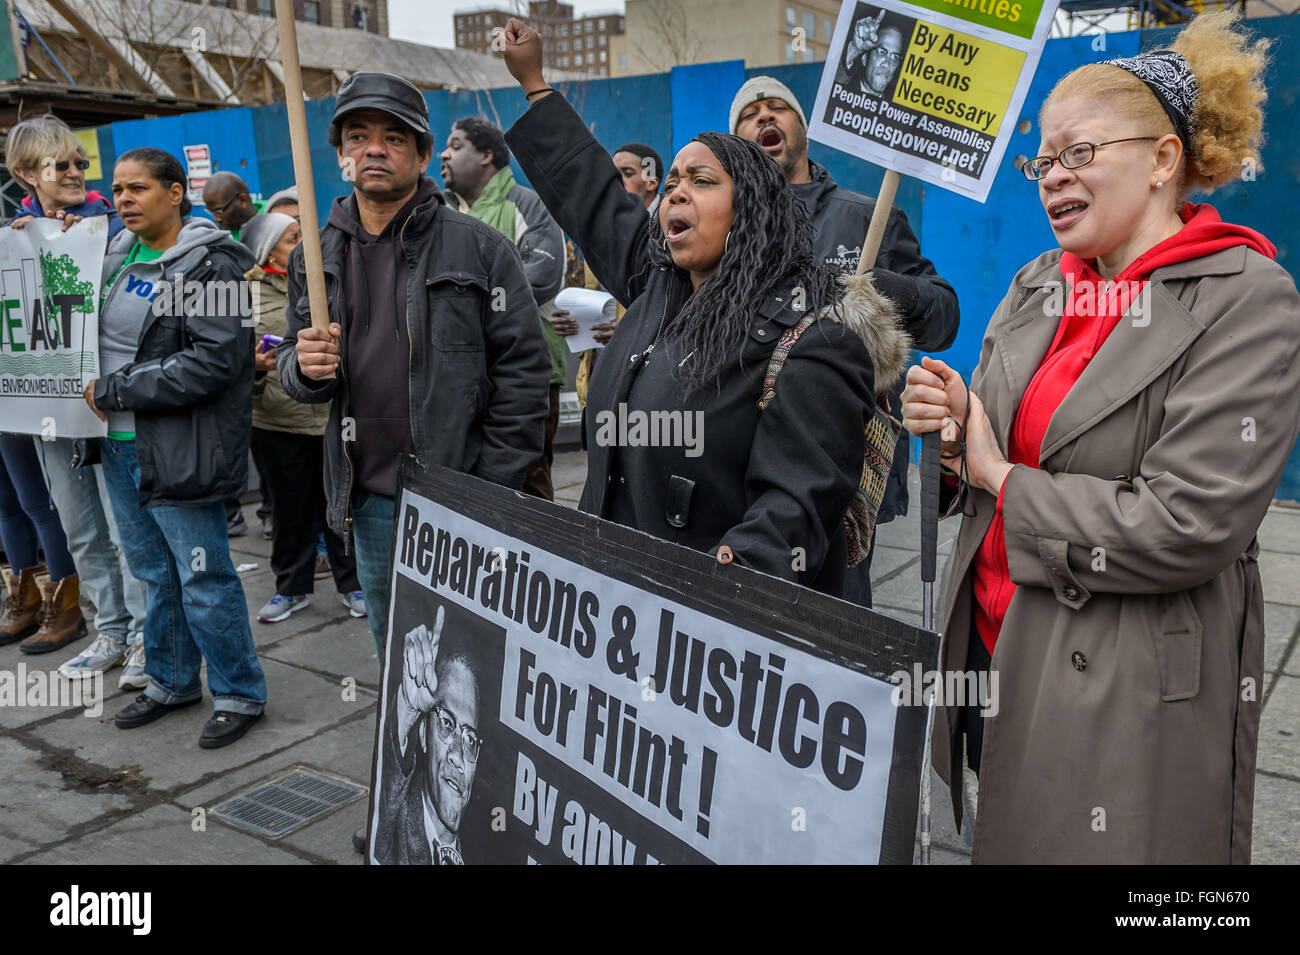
(176, 356)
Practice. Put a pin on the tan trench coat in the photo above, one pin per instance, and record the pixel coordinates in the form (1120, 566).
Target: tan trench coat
(1130, 660)
(273, 410)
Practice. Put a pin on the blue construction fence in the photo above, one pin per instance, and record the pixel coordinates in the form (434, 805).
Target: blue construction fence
(978, 247)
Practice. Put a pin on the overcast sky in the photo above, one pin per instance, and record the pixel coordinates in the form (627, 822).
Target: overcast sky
(430, 21)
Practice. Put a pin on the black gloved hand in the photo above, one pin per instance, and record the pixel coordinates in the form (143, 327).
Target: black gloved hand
(899, 289)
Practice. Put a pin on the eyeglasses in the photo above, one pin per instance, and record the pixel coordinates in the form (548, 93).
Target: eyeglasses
(893, 59)
(221, 209)
(445, 723)
(1071, 157)
(62, 164)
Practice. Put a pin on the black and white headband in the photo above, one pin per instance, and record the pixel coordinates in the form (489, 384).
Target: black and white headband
(1168, 75)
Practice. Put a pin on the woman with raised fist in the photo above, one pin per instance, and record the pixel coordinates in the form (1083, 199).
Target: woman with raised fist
(712, 283)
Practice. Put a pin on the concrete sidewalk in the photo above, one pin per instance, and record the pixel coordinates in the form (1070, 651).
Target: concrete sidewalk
(79, 790)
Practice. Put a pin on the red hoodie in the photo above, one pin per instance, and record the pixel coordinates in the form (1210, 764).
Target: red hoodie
(1092, 310)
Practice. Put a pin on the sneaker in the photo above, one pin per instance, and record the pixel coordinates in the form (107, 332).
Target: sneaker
(236, 526)
(355, 602)
(102, 655)
(322, 567)
(133, 676)
(268, 530)
(279, 607)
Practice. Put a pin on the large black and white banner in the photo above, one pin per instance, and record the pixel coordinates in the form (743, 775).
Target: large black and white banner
(559, 688)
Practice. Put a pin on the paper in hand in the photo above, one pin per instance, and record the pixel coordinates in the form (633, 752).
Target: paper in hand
(587, 307)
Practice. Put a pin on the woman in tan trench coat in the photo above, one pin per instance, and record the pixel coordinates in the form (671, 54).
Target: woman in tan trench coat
(1107, 556)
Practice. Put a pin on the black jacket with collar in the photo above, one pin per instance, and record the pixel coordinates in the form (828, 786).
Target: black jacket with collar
(927, 302)
(191, 384)
(478, 365)
(772, 485)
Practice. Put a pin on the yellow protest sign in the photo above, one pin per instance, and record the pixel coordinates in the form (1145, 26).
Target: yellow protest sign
(955, 76)
(930, 88)
(90, 139)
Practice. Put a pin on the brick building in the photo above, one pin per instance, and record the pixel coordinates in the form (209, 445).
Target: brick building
(579, 44)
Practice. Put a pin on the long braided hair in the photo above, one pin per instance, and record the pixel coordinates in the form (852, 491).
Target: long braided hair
(771, 243)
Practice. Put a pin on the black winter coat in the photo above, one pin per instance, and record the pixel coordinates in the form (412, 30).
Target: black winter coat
(191, 384)
(927, 302)
(772, 485)
(477, 373)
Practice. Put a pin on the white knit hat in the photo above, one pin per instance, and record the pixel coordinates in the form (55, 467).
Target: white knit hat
(763, 87)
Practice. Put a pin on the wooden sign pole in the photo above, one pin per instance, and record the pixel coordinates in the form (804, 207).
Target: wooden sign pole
(879, 219)
(301, 146)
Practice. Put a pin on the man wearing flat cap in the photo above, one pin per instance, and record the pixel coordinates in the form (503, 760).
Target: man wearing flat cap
(434, 345)
(766, 112)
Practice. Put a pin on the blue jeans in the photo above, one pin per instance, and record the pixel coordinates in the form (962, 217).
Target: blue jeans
(29, 522)
(119, 597)
(196, 609)
(372, 536)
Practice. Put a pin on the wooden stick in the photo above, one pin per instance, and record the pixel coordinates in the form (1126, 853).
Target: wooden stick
(879, 219)
(301, 146)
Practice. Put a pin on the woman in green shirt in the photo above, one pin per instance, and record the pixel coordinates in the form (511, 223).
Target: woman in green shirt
(176, 355)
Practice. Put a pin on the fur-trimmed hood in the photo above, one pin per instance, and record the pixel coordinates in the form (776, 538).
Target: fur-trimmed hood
(876, 321)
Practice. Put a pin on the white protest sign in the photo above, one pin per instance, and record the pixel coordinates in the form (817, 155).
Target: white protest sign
(587, 307)
(930, 88)
(49, 326)
(558, 688)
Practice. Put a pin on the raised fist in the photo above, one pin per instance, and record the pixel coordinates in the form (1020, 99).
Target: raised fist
(866, 34)
(523, 54)
(419, 681)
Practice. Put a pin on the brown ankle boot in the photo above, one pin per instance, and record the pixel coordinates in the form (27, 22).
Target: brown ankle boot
(22, 606)
(61, 619)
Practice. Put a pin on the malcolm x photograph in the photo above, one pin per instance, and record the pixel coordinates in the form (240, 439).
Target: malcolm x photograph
(873, 50)
(441, 692)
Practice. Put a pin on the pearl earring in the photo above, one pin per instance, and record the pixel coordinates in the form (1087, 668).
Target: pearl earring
(1159, 184)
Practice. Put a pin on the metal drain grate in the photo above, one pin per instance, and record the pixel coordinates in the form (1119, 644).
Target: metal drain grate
(283, 804)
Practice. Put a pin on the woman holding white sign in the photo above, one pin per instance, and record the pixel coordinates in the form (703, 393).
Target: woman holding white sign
(1124, 433)
(51, 163)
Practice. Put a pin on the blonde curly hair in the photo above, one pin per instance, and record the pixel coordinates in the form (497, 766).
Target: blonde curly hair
(1228, 127)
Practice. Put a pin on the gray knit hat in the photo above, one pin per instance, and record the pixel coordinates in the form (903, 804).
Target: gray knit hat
(763, 87)
(284, 195)
(261, 233)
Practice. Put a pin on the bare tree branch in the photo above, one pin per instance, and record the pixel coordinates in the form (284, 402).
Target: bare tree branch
(256, 38)
(670, 39)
